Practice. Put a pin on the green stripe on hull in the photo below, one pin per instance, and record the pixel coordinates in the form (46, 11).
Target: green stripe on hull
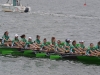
(89, 59)
(55, 57)
(29, 53)
(41, 55)
(7, 52)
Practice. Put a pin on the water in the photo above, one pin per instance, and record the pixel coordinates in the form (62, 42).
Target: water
(60, 18)
(28, 66)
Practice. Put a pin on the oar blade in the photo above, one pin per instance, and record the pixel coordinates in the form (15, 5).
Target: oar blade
(41, 55)
(55, 57)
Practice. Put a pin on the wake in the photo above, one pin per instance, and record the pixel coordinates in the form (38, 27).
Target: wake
(65, 15)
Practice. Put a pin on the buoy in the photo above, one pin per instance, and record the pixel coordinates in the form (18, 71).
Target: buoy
(85, 3)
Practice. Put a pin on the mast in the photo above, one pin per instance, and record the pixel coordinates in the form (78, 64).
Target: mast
(7, 1)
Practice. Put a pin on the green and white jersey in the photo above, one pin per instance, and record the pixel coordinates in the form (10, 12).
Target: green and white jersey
(59, 46)
(73, 47)
(98, 47)
(15, 40)
(76, 46)
(44, 44)
(37, 41)
(30, 42)
(67, 44)
(90, 49)
(24, 40)
(81, 46)
(54, 43)
(5, 37)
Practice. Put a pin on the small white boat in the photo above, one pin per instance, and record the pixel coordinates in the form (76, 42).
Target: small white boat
(14, 6)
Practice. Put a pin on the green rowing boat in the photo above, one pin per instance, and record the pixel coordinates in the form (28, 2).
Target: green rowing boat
(53, 56)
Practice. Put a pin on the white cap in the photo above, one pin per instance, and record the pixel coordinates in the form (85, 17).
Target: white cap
(81, 41)
(30, 38)
(16, 35)
(68, 40)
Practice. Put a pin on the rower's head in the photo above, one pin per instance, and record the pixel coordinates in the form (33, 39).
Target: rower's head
(29, 39)
(53, 39)
(74, 42)
(44, 40)
(67, 40)
(16, 35)
(91, 45)
(37, 37)
(6, 33)
(99, 43)
(23, 36)
(58, 42)
(81, 42)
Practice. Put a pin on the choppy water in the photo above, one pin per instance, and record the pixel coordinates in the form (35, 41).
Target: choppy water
(60, 18)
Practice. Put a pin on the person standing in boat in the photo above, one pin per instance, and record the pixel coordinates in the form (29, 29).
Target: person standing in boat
(17, 3)
(16, 42)
(6, 40)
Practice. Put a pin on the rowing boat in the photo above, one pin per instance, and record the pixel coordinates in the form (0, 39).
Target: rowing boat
(53, 56)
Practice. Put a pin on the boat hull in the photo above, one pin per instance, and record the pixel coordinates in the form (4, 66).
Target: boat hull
(11, 8)
(31, 53)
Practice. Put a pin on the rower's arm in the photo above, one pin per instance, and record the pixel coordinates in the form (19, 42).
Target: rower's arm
(88, 52)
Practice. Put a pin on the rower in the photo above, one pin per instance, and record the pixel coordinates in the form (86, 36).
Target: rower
(75, 48)
(98, 49)
(67, 45)
(23, 40)
(45, 46)
(60, 47)
(6, 40)
(37, 42)
(16, 42)
(81, 43)
(0, 42)
(91, 50)
(30, 44)
(98, 46)
(53, 44)
(82, 47)
(30, 40)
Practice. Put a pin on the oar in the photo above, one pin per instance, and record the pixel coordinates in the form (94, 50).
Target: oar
(7, 52)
